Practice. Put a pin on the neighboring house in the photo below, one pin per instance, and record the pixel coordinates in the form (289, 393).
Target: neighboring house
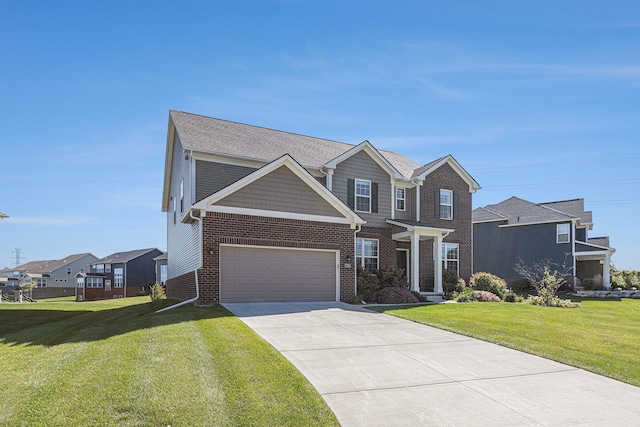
(558, 231)
(53, 278)
(255, 214)
(120, 275)
(161, 268)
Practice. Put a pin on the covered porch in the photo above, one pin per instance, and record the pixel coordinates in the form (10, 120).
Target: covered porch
(415, 232)
(592, 262)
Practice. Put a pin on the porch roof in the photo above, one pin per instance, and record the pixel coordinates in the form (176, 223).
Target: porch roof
(424, 230)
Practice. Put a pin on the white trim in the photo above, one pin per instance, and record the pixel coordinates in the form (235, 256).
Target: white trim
(349, 217)
(278, 214)
(450, 205)
(404, 199)
(355, 194)
(418, 187)
(393, 199)
(355, 252)
(372, 152)
(579, 242)
(337, 252)
(445, 259)
(424, 230)
(473, 184)
(563, 221)
(407, 261)
(568, 233)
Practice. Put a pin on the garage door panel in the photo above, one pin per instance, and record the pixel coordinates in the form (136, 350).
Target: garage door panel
(252, 274)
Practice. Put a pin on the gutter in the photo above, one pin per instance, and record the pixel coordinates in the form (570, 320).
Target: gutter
(189, 301)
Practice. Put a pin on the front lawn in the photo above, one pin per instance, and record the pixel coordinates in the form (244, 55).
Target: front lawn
(116, 362)
(602, 336)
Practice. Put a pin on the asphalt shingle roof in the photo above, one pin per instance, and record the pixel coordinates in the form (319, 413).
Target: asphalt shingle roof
(520, 211)
(212, 135)
(484, 214)
(122, 256)
(46, 266)
(574, 207)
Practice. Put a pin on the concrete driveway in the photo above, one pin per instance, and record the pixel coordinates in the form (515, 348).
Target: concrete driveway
(377, 370)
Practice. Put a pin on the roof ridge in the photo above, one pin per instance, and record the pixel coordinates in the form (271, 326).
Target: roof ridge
(562, 201)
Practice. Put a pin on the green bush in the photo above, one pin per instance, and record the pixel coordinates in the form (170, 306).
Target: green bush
(511, 297)
(157, 293)
(395, 295)
(419, 296)
(552, 302)
(369, 284)
(522, 286)
(488, 282)
(465, 295)
(451, 283)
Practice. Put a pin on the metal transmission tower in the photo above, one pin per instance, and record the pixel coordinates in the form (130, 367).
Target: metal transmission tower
(16, 259)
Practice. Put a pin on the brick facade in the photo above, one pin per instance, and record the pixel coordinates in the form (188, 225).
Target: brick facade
(225, 228)
(446, 178)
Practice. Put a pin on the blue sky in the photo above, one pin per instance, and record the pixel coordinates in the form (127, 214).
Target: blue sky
(538, 100)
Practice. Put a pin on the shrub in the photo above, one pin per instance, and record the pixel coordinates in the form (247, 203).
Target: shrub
(395, 295)
(369, 284)
(552, 302)
(157, 293)
(522, 285)
(466, 295)
(486, 296)
(511, 297)
(488, 282)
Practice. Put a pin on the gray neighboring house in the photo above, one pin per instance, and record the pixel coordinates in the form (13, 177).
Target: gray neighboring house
(161, 268)
(256, 214)
(517, 229)
(53, 278)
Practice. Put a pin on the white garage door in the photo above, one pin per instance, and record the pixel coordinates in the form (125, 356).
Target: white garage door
(256, 274)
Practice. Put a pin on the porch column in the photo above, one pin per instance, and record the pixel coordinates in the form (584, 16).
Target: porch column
(415, 262)
(606, 271)
(437, 264)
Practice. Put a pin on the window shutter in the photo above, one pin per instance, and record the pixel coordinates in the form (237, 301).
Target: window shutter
(436, 203)
(456, 205)
(374, 197)
(351, 193)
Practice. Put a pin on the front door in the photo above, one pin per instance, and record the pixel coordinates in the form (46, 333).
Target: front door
(402, 261)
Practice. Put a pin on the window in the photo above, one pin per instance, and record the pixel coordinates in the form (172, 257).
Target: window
(107, 268)
(94, 282)
(80, 282)
(41, 283)
(400, 199)
(118, 277)
(363, 195)
(446, 204)
(562, 233)
(181, 195)
(450, 257)
(107, 285)
(174, 210)
(82, 270)
(367, 253)
(68, 270)
(99, 268)
(163, 274)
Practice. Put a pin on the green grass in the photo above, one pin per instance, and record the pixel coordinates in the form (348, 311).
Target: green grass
(116, 362)
(602, 336)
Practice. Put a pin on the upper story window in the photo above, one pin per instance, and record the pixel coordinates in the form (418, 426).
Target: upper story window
(118, 277)
(446, 204)
(41, 283)
(401, 199)
(68, 270)
(363, 195)
(367, 254)
(94, 282)
(80, 282)
(562, 233)
(107, 268)
(99, 268)
(163, 274)
(175, 207)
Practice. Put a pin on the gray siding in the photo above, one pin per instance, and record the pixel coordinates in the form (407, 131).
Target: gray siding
(211, 177)
(497, 250)
(410, 206)
(586, 248)
(361, 166)
(183, 240)
(280, 190)
(60, 277)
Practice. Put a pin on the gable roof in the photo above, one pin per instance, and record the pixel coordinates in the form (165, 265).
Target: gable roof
(486, 215)
(48, 266)
(574, 207)
(520, 212)
(372, 152)
(347, 215)
(427, 169)
(121, 257)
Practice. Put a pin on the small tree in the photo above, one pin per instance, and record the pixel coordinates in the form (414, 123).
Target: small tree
(546, 280)
(157, 292)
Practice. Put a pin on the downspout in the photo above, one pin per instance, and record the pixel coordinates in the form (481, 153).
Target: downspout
(355, 270)
(189, 301)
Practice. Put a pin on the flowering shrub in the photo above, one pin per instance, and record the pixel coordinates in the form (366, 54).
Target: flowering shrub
(488, 282)
(395, 295)
(552, 302)
(451, 283)
(469, 295)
